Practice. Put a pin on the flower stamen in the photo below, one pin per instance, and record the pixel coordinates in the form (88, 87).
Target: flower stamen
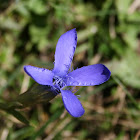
(58, 82)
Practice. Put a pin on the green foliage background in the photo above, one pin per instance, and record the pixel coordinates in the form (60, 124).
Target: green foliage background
(108, 33)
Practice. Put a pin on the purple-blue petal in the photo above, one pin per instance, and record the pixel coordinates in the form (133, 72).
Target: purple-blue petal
(40, 75)
(65, 49)
(72, 104)
(88, 75)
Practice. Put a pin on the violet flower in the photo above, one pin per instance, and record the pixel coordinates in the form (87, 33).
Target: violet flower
(60, 76)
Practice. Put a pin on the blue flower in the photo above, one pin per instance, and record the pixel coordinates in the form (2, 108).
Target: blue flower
(60, 76)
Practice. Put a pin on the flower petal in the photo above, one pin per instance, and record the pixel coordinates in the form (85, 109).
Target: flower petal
(89, 75)
(64, 52)
(40, 75)
(72, 104)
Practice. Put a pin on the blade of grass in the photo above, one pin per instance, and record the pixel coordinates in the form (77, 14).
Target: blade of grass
(23, 133)
(42, 129)
(11, 78)
(137, 105)
(15, 113)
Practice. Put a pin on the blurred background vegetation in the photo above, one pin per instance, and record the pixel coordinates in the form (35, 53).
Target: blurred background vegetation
(108, 33)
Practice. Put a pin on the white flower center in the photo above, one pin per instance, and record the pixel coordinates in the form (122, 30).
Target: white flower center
(59, 82)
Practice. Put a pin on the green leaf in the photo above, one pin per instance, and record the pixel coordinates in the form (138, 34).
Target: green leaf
(127, 68)
(122, 7)
(37, 6)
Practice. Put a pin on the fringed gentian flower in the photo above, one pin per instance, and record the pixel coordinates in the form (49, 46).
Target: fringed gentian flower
(60, 76)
